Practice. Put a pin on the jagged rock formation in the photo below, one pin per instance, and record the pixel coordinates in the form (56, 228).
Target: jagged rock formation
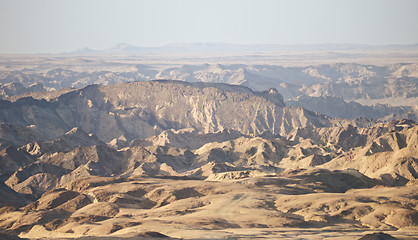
(67, 142)
(349, 136)
(391, 157)
(143, 109)
(337, 107)
(185, 138)
(391, 145)
(129, 159)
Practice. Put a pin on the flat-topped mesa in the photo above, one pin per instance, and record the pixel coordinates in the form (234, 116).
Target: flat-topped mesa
(207, 107)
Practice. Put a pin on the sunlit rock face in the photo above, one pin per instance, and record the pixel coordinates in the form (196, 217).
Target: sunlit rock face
(142, 109)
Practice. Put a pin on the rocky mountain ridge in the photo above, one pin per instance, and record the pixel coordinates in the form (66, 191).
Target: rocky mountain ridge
(96, 185)
(169, 158)
(377, 92)
(142, 109)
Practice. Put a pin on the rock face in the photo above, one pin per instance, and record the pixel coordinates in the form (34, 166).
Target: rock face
(11, 159)
(17, 88)
(10, 198)
(142, 109)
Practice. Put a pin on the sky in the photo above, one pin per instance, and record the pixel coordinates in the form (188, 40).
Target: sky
(48, 26)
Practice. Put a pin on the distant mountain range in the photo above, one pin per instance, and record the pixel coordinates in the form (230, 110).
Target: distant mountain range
(342, 90)
(229, 47)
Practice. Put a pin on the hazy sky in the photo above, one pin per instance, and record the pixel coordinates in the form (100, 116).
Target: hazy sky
(65, 25)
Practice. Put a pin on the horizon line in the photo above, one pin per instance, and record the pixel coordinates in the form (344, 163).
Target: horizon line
(113, 48)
